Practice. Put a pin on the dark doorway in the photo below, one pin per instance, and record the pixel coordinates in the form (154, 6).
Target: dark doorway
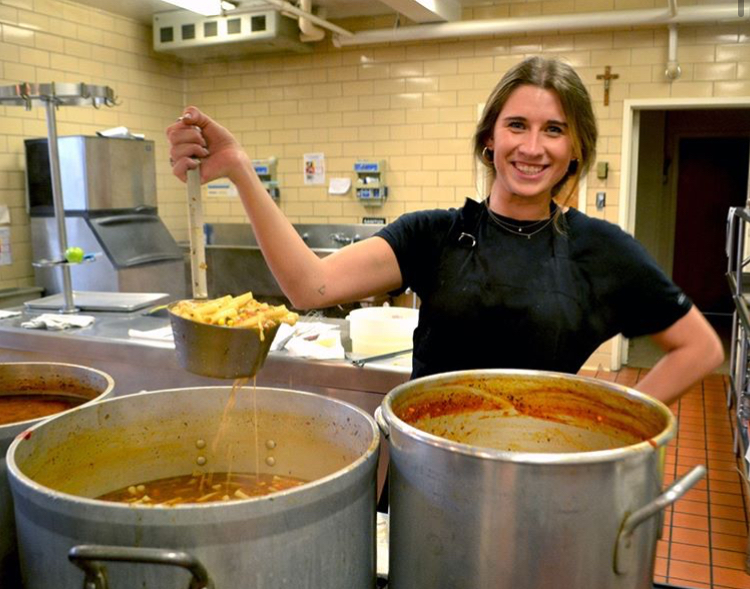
(712, 176)
(692, 166)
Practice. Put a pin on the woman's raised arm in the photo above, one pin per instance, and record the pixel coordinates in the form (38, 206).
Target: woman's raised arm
(356, 271)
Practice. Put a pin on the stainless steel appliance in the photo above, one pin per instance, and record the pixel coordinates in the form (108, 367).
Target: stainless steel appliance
(109, 199)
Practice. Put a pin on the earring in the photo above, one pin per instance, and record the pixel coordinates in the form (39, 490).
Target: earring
(488, 155)
(573, 166)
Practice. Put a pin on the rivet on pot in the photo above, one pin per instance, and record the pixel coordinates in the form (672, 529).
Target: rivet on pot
(201, 460)
(270, 444)
(270, 461)
(200, 444)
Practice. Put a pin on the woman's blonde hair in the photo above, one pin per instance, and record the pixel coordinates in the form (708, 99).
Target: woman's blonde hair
(562, 79)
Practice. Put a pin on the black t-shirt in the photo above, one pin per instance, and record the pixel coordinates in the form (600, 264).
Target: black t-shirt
(492, 299)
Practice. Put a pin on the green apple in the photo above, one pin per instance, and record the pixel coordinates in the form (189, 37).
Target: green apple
(74, 255)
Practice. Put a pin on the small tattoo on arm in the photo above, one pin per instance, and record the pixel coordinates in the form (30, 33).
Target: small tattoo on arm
(322, 290)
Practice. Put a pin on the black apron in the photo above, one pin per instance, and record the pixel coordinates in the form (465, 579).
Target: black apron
(500, 300)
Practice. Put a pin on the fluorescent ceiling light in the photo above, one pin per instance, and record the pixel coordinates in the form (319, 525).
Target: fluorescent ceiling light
(204, 7)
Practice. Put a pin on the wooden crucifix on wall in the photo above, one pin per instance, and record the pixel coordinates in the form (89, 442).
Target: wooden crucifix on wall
(608, 76)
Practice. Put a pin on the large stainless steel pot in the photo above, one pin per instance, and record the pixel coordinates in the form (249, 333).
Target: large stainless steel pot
(524, 480)
(318, 535)
(37, 378)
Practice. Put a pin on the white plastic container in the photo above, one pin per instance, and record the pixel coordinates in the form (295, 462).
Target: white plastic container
(379, 330)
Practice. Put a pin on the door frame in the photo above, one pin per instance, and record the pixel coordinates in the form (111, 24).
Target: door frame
(629, 161)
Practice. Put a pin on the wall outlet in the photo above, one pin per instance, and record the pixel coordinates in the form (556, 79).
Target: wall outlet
(601, 200)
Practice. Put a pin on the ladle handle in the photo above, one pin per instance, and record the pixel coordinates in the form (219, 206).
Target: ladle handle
(89, 559)
(197, 240)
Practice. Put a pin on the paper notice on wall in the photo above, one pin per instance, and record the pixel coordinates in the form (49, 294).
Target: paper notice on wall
(339, 185)
(314, 168)
(221, 187)
(5, 257)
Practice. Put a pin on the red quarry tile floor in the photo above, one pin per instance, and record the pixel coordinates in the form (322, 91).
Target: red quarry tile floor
(704, 540)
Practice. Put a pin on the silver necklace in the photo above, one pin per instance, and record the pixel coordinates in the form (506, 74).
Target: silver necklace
(519, 230)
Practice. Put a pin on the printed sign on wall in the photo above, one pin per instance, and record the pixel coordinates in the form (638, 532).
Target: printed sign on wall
(221, 187)
(314, 168)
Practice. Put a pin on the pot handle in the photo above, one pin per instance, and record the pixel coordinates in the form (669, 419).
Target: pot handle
(384, 427)
(636, 518)
(88, 557)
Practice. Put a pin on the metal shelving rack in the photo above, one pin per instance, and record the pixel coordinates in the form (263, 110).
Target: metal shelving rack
(738, 275)
(52, 96)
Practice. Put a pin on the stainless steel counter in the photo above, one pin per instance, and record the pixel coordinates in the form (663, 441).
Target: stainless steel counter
(138, 365)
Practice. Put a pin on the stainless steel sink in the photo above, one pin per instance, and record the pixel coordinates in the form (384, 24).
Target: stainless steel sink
(236, 265)
(323, 238)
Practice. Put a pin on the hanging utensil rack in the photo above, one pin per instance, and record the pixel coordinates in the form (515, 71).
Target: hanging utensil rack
(51, 96)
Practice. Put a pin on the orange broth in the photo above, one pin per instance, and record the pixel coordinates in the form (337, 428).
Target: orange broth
(17, 408)
(209, 488)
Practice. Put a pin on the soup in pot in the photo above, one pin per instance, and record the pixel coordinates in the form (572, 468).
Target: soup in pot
(202, 488)
(523, 416)
(16, 408)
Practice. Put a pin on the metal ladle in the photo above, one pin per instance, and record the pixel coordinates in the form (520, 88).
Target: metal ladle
(213, 350)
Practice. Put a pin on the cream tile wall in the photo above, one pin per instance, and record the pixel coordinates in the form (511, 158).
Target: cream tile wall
(413, 105)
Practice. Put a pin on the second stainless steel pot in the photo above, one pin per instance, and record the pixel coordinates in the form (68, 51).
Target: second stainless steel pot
(524, 480)
(318, 535)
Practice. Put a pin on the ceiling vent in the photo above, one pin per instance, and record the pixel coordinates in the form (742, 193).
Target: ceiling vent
(193, 37)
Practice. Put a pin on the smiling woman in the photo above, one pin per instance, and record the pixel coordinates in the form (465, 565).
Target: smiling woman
(547, 301)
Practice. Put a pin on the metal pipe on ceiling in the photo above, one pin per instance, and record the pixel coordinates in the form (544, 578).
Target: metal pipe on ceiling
(287, 7)
(290, 9)
(308, 31)
(548, 23)
(673, 70)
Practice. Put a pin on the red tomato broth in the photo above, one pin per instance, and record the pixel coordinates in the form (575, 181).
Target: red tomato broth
(584, 407)
(16, 408)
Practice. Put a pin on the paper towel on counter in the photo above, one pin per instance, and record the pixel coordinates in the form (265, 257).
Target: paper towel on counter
(314, 340)
(161, 334)
(58, 322)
